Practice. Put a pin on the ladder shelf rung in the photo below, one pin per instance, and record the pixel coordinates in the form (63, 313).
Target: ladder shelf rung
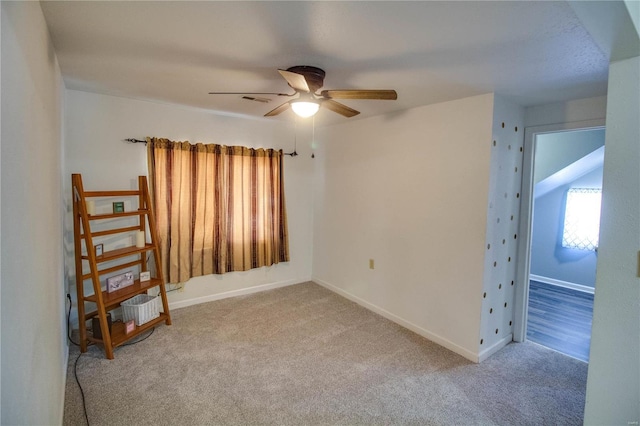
(138, 212)
(118, 253)
(115, 297)
(118, 336)
(113, 231)
(120, 193)
(114, 268)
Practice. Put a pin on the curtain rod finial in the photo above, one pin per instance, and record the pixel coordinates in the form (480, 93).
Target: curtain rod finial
(135, 141)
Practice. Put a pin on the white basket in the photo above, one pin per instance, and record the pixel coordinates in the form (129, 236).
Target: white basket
(141, 308)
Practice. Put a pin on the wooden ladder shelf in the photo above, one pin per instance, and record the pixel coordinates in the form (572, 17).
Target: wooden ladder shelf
(118, 260)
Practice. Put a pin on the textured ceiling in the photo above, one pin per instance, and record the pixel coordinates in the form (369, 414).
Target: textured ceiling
(176, 52)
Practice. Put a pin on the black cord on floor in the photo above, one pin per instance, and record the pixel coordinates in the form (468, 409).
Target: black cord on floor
(84, 404)
(138, 341)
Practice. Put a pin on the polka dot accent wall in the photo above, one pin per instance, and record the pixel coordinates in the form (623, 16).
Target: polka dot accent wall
(502, 228)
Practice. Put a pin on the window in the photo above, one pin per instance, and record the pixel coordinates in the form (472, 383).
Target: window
(582, 219)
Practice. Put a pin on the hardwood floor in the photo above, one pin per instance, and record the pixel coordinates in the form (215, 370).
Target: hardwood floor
(560, 319)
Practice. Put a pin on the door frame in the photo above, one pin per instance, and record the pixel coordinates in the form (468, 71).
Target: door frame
(523, 265)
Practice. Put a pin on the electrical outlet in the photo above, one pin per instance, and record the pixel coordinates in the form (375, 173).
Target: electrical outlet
(371, 264)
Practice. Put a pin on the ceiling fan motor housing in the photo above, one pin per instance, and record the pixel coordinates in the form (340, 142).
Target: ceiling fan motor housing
(313, 75)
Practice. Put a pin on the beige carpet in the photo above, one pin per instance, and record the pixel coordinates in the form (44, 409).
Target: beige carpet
(302, 355)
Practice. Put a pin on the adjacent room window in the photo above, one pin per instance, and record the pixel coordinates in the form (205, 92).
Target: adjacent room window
(582, 219)
(218, 208)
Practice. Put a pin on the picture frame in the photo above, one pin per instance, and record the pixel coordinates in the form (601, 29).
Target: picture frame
(99, 249)
(118, 207)
(118, 282)
(145, 276)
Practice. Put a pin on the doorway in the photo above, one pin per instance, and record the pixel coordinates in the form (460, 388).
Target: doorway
(556, 273)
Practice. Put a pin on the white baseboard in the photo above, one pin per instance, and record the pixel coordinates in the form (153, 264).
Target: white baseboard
(402, 322)
(565, 284)
(495, 347)
(234, 293)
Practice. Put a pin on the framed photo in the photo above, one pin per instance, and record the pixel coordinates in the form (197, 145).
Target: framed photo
(118, 282)
(99, 249)
(118, 207)
(145, 276)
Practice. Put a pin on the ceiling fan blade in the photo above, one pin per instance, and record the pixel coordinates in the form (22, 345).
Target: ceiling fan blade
(297, 81)
(360, 94)
(339, 108)
(250, 93)
(278, 110)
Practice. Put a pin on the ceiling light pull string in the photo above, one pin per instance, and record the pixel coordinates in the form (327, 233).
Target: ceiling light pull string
(313, 136)
(295, 139)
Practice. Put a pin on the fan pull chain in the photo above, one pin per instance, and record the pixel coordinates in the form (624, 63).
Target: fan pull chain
(294, 153)
(313, 136)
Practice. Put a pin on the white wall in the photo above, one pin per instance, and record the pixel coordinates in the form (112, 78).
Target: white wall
(34, 349)
(410, 191)
(566, 112)
(613, 384)
(95, 126)
(555, 151)
(501, 240)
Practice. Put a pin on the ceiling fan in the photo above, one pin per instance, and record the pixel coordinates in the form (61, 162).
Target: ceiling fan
(306, 81)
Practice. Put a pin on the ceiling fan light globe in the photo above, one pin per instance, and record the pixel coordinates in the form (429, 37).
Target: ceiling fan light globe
(305, 109)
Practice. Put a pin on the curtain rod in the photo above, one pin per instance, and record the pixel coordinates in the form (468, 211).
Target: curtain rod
(293, 154)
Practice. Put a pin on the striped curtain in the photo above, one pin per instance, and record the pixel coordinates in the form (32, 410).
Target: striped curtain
(218, 208)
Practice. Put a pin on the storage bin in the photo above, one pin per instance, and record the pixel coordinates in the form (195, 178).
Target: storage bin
(141, 308)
